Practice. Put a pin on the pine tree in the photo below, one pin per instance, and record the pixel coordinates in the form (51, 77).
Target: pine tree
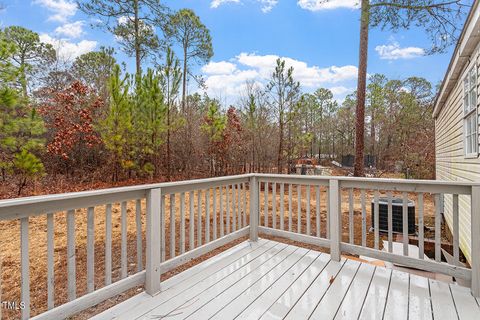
(214, 126)
(170, 78)
(116, 129)
(20, 125)
(150, 122)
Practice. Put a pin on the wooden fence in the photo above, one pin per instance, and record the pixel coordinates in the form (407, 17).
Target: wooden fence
(180, 221)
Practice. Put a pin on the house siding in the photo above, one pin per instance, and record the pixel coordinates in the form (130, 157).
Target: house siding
(451, 163)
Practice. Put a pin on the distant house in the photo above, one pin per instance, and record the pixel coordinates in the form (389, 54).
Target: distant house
(457, 123)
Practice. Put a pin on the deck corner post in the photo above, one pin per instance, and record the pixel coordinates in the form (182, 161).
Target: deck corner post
(254, 207)
(153, 240)
(335, 219)
(475, 245)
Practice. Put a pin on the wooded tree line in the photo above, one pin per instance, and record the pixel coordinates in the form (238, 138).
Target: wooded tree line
(89, 120)
(92, 120)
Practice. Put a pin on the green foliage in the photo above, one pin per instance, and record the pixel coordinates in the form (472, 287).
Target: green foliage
(30, 53)
(215, 122)
(171, 77)
(20, 126)
(133, 129)
(27, 166)
(116, 128)
(8, 72)
(149, 117)
(193, 37)
(186, 28)
(284, 93)
(133, 22)
(146, 40)
(95, 69)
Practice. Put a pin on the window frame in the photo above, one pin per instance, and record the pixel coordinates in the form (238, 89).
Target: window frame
(470, 99)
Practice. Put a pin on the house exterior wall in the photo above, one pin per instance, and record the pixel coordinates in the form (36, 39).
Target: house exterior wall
(451, 162)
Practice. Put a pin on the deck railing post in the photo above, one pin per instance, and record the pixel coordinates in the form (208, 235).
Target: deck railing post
(475, 245)
(153, 256)
(334, 219)
(254, 208)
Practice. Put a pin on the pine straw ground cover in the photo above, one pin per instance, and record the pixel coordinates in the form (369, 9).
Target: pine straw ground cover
(10, 244)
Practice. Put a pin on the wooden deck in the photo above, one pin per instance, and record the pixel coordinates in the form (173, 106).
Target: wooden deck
(272, 280)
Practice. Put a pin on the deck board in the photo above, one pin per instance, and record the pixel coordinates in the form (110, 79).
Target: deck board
(327, 307)
(282, 305)
(374, 304)
(272, 280)
(217, 266)
(258, 307)
(467, 306)
(229, 304)
(307, 303)
(183, 305)
(353, 301)
(442, 301)
(419, 304)
(397, 299)
(249, 303)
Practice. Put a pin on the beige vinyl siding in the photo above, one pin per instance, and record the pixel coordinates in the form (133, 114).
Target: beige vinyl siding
(451, 163)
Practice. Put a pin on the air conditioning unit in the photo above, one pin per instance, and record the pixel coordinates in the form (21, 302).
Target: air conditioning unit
(397, 215)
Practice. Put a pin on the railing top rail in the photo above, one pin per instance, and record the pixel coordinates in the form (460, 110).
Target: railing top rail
(19, 207)
(374, 180)
(402, 185)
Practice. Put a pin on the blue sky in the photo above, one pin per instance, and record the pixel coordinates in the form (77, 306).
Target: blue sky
(319, 41)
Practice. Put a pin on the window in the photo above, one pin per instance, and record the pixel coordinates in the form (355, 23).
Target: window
(470, 113)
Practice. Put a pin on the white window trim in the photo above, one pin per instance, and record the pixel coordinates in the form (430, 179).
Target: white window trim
(467, 114)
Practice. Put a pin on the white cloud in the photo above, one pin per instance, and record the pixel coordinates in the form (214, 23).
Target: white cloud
(341, 91)
(393, 51)
(267, 5)
(309, 76)
(61, 9)
(124, 19)
(318, 5)
(218, 3)
(228, 78)
(71, 30)
(230, 85)
(67, 50)
(222, 67)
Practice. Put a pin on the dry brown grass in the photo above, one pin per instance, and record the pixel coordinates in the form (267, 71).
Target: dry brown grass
(10, 244)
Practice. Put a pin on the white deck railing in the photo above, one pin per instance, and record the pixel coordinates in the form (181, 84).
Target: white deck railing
(214, 212)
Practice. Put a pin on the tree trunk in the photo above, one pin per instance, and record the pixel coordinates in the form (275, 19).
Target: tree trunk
(361, 91)
(23, 78)
(372, 130)
(137, 40)
(252, 167)
(169, 172)
(280, 146)
(184, 80)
